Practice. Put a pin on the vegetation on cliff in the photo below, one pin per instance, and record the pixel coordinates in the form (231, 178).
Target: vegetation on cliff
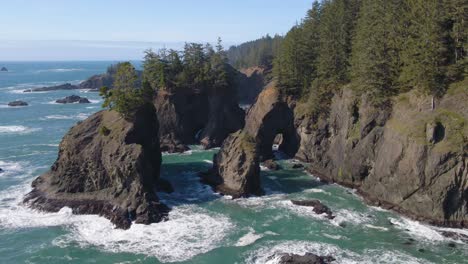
(380, 47)
(259, 52)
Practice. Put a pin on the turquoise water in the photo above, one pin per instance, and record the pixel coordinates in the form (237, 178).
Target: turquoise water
(204, 227)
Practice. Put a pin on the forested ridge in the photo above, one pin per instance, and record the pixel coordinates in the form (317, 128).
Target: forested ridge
(259, 52)
(380, 47)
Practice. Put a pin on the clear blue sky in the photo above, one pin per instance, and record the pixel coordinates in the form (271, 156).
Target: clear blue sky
(122, 29)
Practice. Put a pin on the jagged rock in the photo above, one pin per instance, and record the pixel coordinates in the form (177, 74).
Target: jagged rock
(4, 69)
(403, 155)
(73, 99)
(318, 207)
(18, 103)
(189, 116)
(112, 174)
(236, 168)
(251, 82)
(297, 166)
(268, 117)
(95, 82)
(308, 258)
(271, 165)
(66, 86)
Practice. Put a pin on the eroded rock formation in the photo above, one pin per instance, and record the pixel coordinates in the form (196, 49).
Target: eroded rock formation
(107, 166)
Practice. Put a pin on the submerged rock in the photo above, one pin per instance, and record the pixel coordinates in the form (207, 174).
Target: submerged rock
(297, 166)
(271, 165)
(113, 174)
(308, 258)
(73, 99)
(318, 207)
(236, 169)
(18, 103)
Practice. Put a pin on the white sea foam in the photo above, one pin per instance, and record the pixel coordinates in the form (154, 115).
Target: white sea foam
(60, 70)
(376, 227)
(248, 238)
(17, 129)
(189, 231)
(208, 161)
(80, 116)
(316, 190)
(271, 254)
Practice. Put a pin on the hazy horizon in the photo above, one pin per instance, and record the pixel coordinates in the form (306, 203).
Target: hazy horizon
(56, 30)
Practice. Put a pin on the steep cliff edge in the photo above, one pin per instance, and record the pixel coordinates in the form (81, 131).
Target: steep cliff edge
(107, 166)
(189, 116)
(402, 156)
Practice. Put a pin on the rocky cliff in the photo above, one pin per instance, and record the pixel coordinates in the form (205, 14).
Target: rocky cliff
(189, 116)
(107, 166)
(250, 82)
(403, 155)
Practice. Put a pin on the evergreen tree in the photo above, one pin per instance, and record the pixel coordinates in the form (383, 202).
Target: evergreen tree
(375, 53)
(425, 55)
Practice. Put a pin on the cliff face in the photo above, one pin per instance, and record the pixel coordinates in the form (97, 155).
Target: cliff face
(250, 83)
(189, 117)
(404, 156)
(110, 172)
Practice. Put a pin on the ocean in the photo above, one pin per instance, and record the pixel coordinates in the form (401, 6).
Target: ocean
(204, 227)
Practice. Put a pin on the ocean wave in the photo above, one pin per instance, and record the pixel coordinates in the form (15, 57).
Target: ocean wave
(59, 70)
(80, 116)
(188, 232)
(248, 238)
(17, 130)
(272, 251)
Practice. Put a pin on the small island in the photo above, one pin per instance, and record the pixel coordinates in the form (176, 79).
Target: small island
(4, 69)
(73, 99)
(17, 103)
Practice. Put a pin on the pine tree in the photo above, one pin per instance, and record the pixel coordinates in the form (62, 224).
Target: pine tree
(425, 55)
(375, 53)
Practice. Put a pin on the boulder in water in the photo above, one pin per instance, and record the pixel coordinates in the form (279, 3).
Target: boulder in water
(318, 207)
(73, 99)
(308, 258)
(18, 103)
(271, 165)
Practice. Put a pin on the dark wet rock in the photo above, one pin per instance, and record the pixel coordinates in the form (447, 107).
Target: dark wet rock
(271, 165)
(297, 166)
(455, 236)
(451, 245)
(114, 174)
(4, 69)
(1, 170)
(308, 258)
(236, 168)
(164, 186)
(66, 86)
(18, 103)
(191, 116)
(73, 99)
(318, 207)
(421, 250)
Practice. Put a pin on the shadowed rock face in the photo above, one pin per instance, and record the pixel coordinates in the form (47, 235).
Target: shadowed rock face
(109, 172)
(250, 83)
(189, 117)
(267, 118)
(308, 258)
(404, 156)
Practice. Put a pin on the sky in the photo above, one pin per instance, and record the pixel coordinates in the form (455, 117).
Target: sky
(123, 29)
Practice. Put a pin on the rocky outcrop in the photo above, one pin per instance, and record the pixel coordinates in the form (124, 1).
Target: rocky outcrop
(317, 206)
(95, 82)
(107, 166)
(271, 165)
(4, 69)
(18, 103)
(403, 156)
(73, 99)
(308, 258)
(66, 86)
(190, 116)
(250, 82)
(236, 169)
(269, 117)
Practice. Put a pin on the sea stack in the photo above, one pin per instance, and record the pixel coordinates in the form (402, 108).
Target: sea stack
(4, 69)
(17, 103)
(73, 99)
(106, 165)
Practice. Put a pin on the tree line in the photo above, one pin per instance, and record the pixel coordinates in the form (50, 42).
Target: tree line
(259, 52)
(379, 47)
(198, 67)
